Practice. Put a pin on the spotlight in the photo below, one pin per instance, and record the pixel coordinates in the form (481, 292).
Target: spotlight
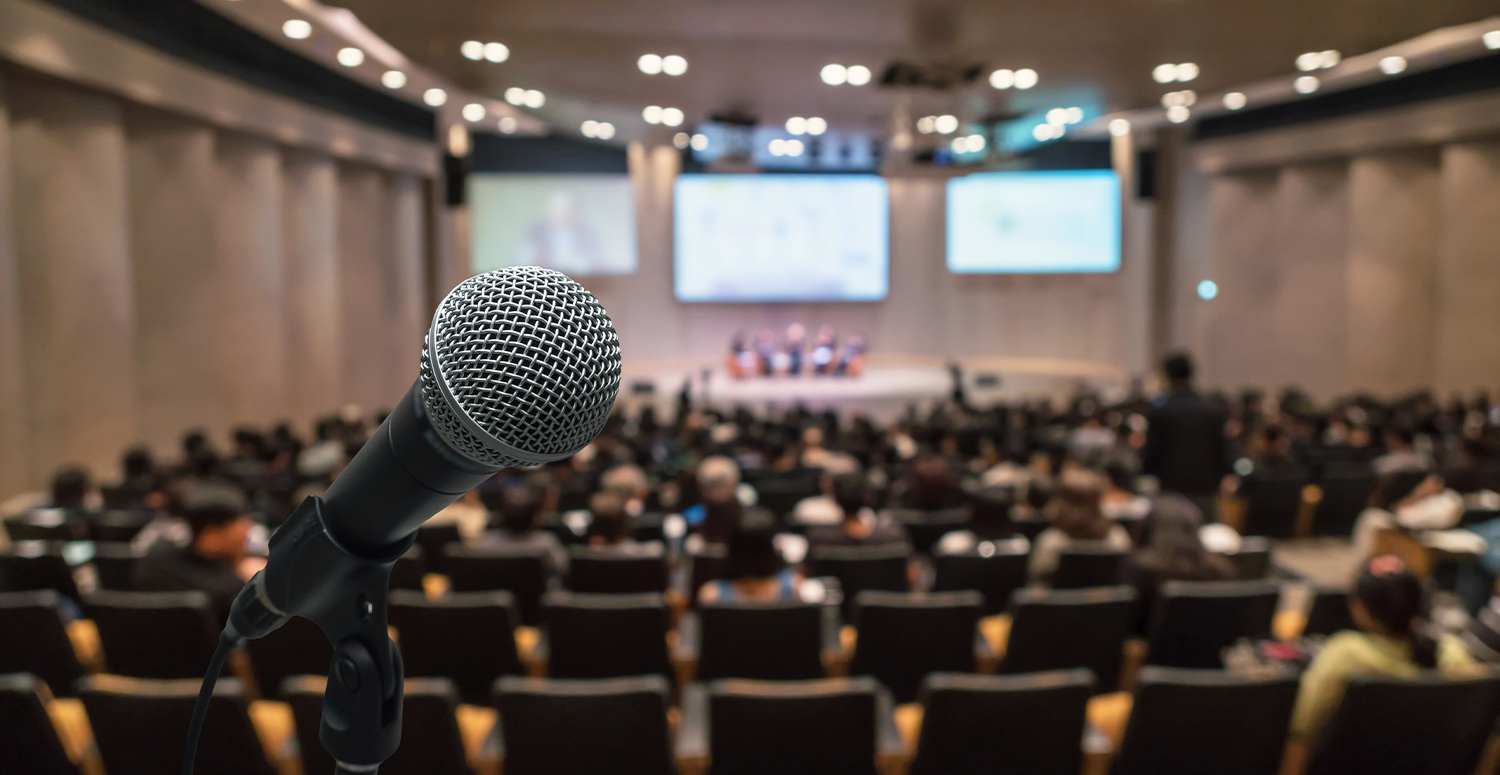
(1329, 58)
(1186, 71)
(1308, 62)
(535, 99)
(816, 126)
(946, 125)
(393, 79)
(515, 95)
(796, 125)
(1178, 114)
(1025, 78)
(671, 116)
(1393, 65)
(793, 148)
(589, 129)
(1003, 79)
(1057, 116)
(472, 49)
(834, 75)
(1491, 39)
(1164, 73)
(1043, 132)
(1075, 115)
(673, 65)
(1208, 289)
(777, 147)
(650, 64)
(297, 29)
(1306, 84)
(1119, 127)
(652, 114)
(496, 52)
(700, 142)
(681, 140)
(927, 124)
(857, 75)
(435, 97)
(351, 57)
(605, 130)
(1235, 100)
(474, 112)
(508, 125)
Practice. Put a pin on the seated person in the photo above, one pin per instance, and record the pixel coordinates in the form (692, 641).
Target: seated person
(754, 571)
(1119, 501)
(215, 561)
(610, 527)
(519, 508)
(1428, 506)
(931, 485)
(1171, 550)
(1389, 606)
(468, 513)
(860, 525)
(1401, 454)
(823, 509)
(718, 485)
(140, 487)
(989, 521)
(1076, 521)
(629, 482)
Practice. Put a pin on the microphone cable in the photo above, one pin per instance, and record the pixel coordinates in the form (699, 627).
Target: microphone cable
(227, 643)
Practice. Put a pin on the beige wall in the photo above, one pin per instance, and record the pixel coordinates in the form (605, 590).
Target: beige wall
(1468, 268)
(15, 452)
(314, 333)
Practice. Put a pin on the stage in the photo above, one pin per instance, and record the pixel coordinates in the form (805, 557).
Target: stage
(890, 383)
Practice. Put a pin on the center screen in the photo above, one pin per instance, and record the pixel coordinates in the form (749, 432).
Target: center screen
(781, 237)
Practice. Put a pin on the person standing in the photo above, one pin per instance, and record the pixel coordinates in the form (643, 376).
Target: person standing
(1185, 445)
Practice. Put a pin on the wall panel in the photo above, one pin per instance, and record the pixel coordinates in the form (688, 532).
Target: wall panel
(1467, 354)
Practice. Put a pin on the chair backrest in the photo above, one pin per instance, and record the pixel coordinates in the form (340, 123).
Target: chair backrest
(606, 636)
(408, 571)
(1329, 612)
(30, 743)
(997, 575)
(118, 526)
(612, 571)
(904, 637)
(780, 496)
(766, 641)
(521, 572)
(466, 636)
(1194, 621)
(879, 568)
(1390, 726)
(708, 563)
(45, 651)
(1032, 723)
(31, 565)
(305, 694)
(115, 564)
(648, 526)
(435, 538)
(154, 634)
(1272, 504)
(1081, 566)
(1252, 560)
(139, 726)
(1065, 629)
(825, 727)
(1344, 497)
(298, 647)
(925, 528)
(584, 727)
(46, 525)
(430, 739)
(1187, 722)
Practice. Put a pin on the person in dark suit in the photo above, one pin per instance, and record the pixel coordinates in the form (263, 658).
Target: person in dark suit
(1185, 445)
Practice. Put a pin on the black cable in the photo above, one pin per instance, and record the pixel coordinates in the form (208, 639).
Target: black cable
(227, 643)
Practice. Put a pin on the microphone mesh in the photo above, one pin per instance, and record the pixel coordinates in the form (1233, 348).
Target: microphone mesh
(530, 357)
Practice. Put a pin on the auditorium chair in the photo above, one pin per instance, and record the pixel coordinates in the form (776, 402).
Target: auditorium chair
(46, 525)
(996, 575)
(154, 634)
(604, 636)
(1081, 567)
(1272, 504)
(612, 570)
(298, 647)
(33, 565)
(1031, 723)
(1189, 722)
(781, 495)
(115, 563)
(1252, 560)
(409, 569)
(139, 726)
(648, 526)
(1064, 629)
(45, 650)
(1346, 491)
(1031, 528)
(29, 744)
(466, 636)
(926, 528)
(1428, 725)
(1329, 612)
(521, 572)
(434, 538)
(904, 637)
(707, 563)
(584, 727)
(430, 739)
(117, 526)
(879, 568)
(1194, 621)
(833, 726)
(766, 641)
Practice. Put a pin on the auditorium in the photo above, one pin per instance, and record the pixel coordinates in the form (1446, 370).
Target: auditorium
(749, 387)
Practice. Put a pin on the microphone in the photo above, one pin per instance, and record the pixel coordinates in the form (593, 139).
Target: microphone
(520, 367)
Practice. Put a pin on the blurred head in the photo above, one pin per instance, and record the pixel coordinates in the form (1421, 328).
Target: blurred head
(930, 484)
(137, 463)
(795, 333)
(518, 507)
(752, 549)
(718, 477)
(812, 437)
(70, 486)
(627, 481)
(850, 493)
(1178, 367)
(1400, 437)
(609, 525)
(1075, 506)
(1388, 600)
(1118, 476)
(216, 514)
(1170, 546)
(989, 514)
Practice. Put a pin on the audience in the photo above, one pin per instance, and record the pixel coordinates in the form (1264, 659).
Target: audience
(520, 510)
(610, 525)
(1401, 454)
(989, 522)
(216, 559)
(718, 482)
(860, 526)
(1077, 521)
(754, 569)
(468, 513)
(1170, 550)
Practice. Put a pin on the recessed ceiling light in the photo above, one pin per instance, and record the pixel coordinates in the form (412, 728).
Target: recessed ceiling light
(681, 140)
(927, 124)
(1075, 115)
(1003, 79)
(474, 112)
(652, 114)
(1164, 73)
(857, 75)
(816, 126)
(1392, 65)
(1119, 127)
(1235, 100)
(793, 147)
(1057, 116)
(1207, 290)
(834, 75)
(1025, 78)
(796, 125)
(672, 116)
(673, 65)
(472, 49)
(1329, 58)
(650, 64)
(393, 79)
(606, 130)
(1306, 84)
(351, 57)
(946, 124)
(508, 124)
(535, 99)
(1491, 39)
(777, 147)
(1309, 61)
(515, 95)
(589, 128)
(435, 97)
(700, 142)
(496, 52)
(297, 29)
(1044, 132)
(1178, 114)
(1186, 71)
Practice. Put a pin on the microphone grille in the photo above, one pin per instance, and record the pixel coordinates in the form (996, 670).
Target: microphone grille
(521, 367)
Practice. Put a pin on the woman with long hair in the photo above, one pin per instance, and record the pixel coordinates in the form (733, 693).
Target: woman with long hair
(1170, 550)
(1077, 520)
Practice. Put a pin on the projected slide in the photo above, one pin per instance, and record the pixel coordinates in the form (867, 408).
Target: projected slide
(1038, 222)
(781, 237)
(577, 224)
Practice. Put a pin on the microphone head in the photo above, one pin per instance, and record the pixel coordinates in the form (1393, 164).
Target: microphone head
(521, 367)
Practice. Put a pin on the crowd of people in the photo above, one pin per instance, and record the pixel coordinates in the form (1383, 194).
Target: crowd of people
(793, 355)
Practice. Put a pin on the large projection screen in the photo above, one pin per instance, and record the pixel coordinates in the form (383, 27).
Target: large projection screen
(1034, 222)
(578, 224)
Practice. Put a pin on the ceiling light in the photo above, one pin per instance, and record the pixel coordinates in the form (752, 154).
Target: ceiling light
(671, 116)
(351, 57)
(673, 65)
(796, 125)
(974, 143)
(652, 114)
(458, 141)
(857, 75)
(1025, 78)
(496, 52)
(1329, 58)
(650, 64)
(393, 79)
(946, 125)
(1164, 73)
(777, 147)
(434, 97)
(794, 147)
(1075, 115)
(681, 140)
(1491, 39)
(1208, 289)
(535, 99)
(1306, 84)
(960, 145)
(927, 124)
(1308, 62)
(1235, 100)
(1186, 71)
(1392, 65)
(515, 95)
(1057, 116)
(1119, 127)
(1043, 132)
(508, 124)
(297, 29)
(589, 128)
(700, 142)
(816, 126)
(472, 49)
(474, 112)
(1003, 79)
(834, 75)
(1178, 114)
(606, 130)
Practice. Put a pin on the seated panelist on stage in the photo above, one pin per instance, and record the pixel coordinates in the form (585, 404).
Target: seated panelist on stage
(824, 348)
(851, 362)
(796, 333)
(765, 352)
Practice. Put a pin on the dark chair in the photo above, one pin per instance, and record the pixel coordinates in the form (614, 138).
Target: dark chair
(1195, 621)
(304, 693)
(766, 641)
(1082, 566)
(521, 572)
(155, 634)
(45, 650)
(584, 727)
(614, 571)
(139, 726)
(708, 563)
(1345, 495)
(1329, 612)
(836, 726)
(1031, 528)
(430, 741)
(1024, 723)
(1065, 629)
(1253, 559)
(466, 636)
(926, 528)
(298, 647)
(648, 526)
(118, 526)
(435, 538)
(860, 568)
(30, 744)
(904, 637)
(115, 564)
(1188, 722)
(46, 525)
(1272, 502)
(605, 636)
(780, 496)
(33, 565)
(996, 575)
(1420, 726)
(408, 571)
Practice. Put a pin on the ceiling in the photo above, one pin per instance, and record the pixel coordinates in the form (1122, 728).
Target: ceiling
(764, 56)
